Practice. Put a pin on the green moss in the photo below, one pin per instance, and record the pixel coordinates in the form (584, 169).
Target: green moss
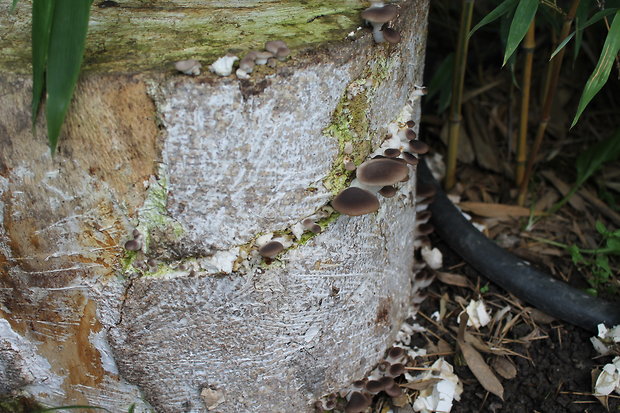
(141, 35)
(19, 404)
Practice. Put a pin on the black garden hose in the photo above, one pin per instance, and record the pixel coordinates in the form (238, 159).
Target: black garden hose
(515, 275)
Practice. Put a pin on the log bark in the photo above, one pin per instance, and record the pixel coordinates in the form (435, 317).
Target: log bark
(205, 169)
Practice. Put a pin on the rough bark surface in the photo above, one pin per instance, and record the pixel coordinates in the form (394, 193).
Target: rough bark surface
(206, 169)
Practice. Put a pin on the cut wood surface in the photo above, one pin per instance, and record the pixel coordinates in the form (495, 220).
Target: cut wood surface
(203, 169)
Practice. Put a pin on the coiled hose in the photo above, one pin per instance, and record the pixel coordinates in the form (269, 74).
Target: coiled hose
(515, 275)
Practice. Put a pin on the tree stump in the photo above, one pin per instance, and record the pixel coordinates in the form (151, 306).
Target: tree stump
(202, 171)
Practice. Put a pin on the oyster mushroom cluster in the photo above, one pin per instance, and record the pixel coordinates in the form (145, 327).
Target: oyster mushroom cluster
(274, 50)
(380, 16)
(380, 174)
(359, 396)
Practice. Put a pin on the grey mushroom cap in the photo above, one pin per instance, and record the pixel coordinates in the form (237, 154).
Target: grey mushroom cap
(355, 201)
(273, 46)
(357, 403)
(410, 158)
(271, 249)
(390, 35)
(374, 386)
(382, 171)
(380, 14)
(391, 152)
(410, 134)
(133, 245)
(419, 147)
(396, 370)
(425, 229)
(393, 390)
(388, 191)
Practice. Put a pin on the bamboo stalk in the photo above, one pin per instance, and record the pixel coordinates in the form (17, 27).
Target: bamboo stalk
(556, 63)
(458, 79)
(528, 48)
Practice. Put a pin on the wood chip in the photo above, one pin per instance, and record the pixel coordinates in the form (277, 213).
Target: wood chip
(500, 211)
(453, 279)
(538, 316)
(505, 367)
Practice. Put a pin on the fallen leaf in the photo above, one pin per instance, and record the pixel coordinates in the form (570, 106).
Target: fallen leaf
(476, 363)
(453, 279)
(491, 210)
(505, 367)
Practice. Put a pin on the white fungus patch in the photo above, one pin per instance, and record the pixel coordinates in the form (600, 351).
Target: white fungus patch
(224, 65)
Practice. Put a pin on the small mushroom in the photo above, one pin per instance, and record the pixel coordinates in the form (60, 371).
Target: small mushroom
(377, 16)
(349, 166)
(133, 245)
(394, 390)
(418, 147)
(381, 172)
(425, 229)
(395, 370)
(390, 35)
(410, 123)
(355, 201)
(410, 158)
(388, 191)
(271, 249)
(391, 152)
(410, 134)
(374, 386)
(395, 354)
(423, 216)
(358, 402)
(247, 63)
(262, 57)
(189, 67)
(273, 46)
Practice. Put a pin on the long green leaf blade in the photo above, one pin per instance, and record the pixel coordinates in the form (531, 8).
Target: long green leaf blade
(524, 14)
(594, 157)
(601, 73)
(67, 40)
(495, 14)
(42, 12)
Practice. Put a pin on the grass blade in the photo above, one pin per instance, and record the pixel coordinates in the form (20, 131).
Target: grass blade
(506, 7)
(603, 67)
(524, 14)
(66, 48)
(42, 12)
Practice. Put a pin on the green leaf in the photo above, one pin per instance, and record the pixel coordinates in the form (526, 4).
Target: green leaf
(42, 12)
(603, 68)
(524, 14)
(440, 82)
(506, 7)
(594, 19)
(600, 227)
(66, 48)
(580, 17)
(575, 254)
(594, 157)
(14, 5)
(132, 408)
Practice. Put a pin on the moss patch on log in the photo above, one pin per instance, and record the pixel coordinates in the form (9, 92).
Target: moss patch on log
(139, 35)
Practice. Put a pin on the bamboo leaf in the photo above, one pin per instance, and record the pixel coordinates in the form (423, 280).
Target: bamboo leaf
(66, 48)
(440, 82)
(506, 7)
(594, 157)
(603, 67)
(524, 14)
(594, 19)
(42, 12)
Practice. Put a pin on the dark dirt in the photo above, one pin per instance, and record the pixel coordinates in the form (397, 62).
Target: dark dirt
(557, 376)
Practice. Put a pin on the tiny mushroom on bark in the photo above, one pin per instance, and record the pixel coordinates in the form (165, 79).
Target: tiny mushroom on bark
(262, 57)
(271, 249)
(410, 158)
(133, 245)
(355, 201)
(358, 402)
(188, 67)
(418, 147)
(388, 191)
(390, 35)
(377, 16)
(410, 134)
(382, 171)
(425, 229)
(391, 152)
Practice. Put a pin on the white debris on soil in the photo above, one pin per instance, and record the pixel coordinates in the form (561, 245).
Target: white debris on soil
(606, 339)
(432, 257)
(609, 379)
(478, 314)
(438, 397)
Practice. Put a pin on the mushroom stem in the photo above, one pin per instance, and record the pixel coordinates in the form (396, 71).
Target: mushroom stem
(377, 34)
